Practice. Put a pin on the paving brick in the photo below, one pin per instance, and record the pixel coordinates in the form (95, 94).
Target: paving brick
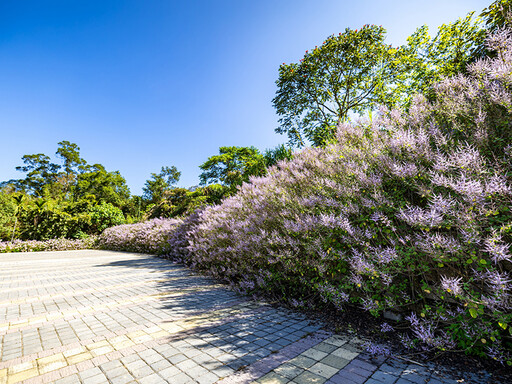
(72, 379)
(401, 380)
(315, 354)
(98, 309)
(181, 379)
(363, 364)
(223, 371)
(303, 361)
(273, 378)
(98, 379)
(323, 370)
(208, 378)
(121, 379)
(344, 377)
(152, 379)
(309, 378)
(89, 373)
(335, 361)
(139, 372)
(326, 347)
(113, 372)
(345, 353)
(289, 370)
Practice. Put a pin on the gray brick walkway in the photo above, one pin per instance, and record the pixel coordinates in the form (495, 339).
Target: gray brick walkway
(108, 317)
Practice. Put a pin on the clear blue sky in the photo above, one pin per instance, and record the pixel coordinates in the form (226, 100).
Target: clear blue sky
(143, 84)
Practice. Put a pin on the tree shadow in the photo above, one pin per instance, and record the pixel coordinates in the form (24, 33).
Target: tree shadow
(222, 331)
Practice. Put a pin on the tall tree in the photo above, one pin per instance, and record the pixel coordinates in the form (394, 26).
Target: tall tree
(356, 71)
(351, 72)
(70, 155)
(155, 188)
(232, 166)
(72, 164)
(108, 187)
(40, 171)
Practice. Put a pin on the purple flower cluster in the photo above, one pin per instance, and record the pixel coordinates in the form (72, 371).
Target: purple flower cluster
(48, 245)
(146, 237)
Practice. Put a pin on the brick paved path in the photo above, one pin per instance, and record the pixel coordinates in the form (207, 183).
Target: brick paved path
(107, 317)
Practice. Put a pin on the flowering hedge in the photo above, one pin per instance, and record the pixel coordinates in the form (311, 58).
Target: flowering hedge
(410, 213)
(147, 237)
(47, 245)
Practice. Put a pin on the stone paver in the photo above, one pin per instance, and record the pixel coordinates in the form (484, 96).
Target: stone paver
(110, 317)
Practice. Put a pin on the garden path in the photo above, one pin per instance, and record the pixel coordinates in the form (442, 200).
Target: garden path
(110, 317)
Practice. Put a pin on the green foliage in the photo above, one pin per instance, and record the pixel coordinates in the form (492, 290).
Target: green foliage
(355, 72)
(40, 171)
(155, 188)
(429, 59)
(497, 14)
(71, 200)
(43, 219)
(180, 202)
(279, 153)
(48, 222)
(70, 154)
(8, 210)
(104, 186)
(105, 215)
(232, 166)
(352, 72)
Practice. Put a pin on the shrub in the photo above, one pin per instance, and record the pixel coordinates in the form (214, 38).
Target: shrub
(178, 239)
(105, 215)
(147, 237)
(410, 212)
(47, 245)
(7, 215)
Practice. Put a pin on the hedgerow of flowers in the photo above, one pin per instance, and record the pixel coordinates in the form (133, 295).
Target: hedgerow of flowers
(47, 245)
(409, 213)
(147, 237)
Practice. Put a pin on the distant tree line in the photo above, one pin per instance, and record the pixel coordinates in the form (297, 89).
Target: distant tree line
(72, 198)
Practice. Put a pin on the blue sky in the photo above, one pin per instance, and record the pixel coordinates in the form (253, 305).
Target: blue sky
(143, 84)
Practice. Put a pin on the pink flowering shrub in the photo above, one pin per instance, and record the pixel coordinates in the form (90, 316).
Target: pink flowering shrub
(409, 213)
(146, 237)
(48, 245)
(177, 242)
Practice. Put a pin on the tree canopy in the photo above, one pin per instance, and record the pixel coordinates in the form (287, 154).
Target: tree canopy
(70, 155)
(232, 166)
(355, 72)
(430, 59)
(159, 183)
(350, 72)
(497, 15)
(103, 186)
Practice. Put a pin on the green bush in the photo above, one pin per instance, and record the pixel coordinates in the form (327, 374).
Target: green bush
(103, 216)
(7, 215)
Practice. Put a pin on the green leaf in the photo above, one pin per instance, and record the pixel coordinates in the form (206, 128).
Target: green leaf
(473, 312)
